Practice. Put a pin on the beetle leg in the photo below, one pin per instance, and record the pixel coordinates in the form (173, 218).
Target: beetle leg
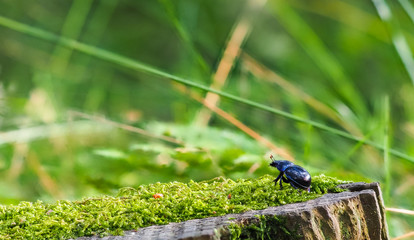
(284, 180)
(279, 178)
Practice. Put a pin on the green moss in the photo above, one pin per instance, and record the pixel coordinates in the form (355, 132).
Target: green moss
(266, 227)
(135, 208)
(345, 231)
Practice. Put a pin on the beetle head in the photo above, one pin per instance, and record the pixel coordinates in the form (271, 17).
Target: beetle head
(281, 165)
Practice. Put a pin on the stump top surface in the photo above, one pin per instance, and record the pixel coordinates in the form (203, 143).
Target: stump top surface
(206, 228)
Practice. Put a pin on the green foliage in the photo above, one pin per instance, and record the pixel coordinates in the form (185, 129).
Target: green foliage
(158, 203)
(339, 60)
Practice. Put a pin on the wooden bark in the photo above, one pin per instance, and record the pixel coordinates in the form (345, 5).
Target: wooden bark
(355, 214)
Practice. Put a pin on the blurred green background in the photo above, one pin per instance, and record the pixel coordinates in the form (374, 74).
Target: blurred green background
(346, 65)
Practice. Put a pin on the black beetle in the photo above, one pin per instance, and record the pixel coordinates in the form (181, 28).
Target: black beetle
(296, 175)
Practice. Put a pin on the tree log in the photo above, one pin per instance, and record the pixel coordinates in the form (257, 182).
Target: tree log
(355, 214)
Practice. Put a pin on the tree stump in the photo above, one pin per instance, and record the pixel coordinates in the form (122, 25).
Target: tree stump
(354, 214)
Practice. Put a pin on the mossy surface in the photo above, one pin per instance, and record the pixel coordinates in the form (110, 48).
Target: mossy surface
(159, 203)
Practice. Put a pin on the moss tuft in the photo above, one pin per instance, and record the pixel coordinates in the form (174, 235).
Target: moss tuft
(264, 227)
(158, 203)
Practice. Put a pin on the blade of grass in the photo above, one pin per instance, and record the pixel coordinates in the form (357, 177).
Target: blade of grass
(352, 16)
(266, 74)
(140, 67)
(399, 210)
(316, 49)
(30, 134)
(96, 27)
(407, 235)
(46, 181)
(99, 20)
(360, 144)
(60, 56)
(184, 35)
(238, 36)
(408, 7)
(284, 153)
(398, 39)
(387, 166)
(71, 28)
(347, 14)
(126, 127)
(17, 162)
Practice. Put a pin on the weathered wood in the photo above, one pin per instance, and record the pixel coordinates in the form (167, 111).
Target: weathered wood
(355, 214)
